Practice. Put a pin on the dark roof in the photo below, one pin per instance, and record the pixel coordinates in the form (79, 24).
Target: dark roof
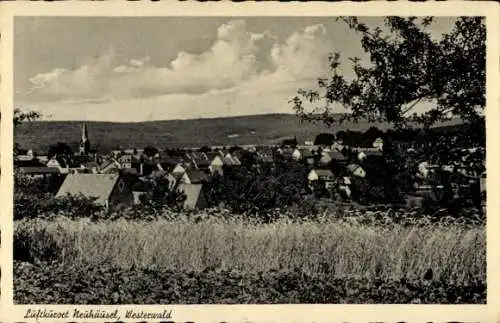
(28, 163)
(201, 162)
(196, 176)
(212, 155)
(306, 153)
(139, 186)
(167, 160)
(81, 159)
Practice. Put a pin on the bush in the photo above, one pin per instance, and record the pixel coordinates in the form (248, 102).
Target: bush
(73, 206)
(108, 285)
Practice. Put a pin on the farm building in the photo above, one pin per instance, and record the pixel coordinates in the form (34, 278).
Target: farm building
(195, 197)
(109, 189)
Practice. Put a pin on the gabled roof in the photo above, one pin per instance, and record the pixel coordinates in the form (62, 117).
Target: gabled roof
(212, 155)
(193, 194)
(196, 176)
(90, 185)
(167, 160)
(109, 162)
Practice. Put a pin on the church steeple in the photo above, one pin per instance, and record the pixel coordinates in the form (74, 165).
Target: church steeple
(84, 142)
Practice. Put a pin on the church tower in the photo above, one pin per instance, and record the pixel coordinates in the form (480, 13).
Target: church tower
(84, 142)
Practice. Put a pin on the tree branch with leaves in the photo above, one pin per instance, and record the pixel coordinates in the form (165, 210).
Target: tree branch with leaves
(407, 66)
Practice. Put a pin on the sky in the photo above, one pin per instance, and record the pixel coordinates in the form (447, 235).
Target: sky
(127, 69)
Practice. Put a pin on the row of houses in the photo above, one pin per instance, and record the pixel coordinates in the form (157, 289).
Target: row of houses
(120, 177)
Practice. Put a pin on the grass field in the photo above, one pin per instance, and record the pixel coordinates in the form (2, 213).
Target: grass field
(227, 261)
(342, 250)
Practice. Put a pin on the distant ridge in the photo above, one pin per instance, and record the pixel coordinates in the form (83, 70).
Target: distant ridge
(226, 131)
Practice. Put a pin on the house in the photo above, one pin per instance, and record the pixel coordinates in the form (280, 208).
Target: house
(179, 169)
(304, 154)
(195, 196)
(216, 162)
(193, 176)
(110, 190)
(28, 160)
(356, 170)
(60, 163)
(324, 177)
(230, 160)
(110, 166)
(125, 161)
(265, 154)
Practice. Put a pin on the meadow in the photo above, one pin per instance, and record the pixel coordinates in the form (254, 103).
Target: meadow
(228, 131)
(233, 260)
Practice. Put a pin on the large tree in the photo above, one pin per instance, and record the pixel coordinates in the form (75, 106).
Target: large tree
(407, 66)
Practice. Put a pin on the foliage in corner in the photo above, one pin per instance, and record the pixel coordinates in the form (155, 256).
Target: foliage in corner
(407, 66)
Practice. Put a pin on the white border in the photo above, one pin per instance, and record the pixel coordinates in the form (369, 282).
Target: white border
(264, 313)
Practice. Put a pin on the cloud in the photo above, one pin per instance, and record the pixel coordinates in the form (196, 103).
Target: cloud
(240, 65)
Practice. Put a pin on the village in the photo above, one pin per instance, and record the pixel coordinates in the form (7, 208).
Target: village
(120, 177)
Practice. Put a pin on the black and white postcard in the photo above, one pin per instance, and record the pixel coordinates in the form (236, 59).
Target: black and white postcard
(252, 162)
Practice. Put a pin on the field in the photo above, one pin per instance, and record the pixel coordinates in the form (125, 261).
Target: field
(238, 261)
(256, 129)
